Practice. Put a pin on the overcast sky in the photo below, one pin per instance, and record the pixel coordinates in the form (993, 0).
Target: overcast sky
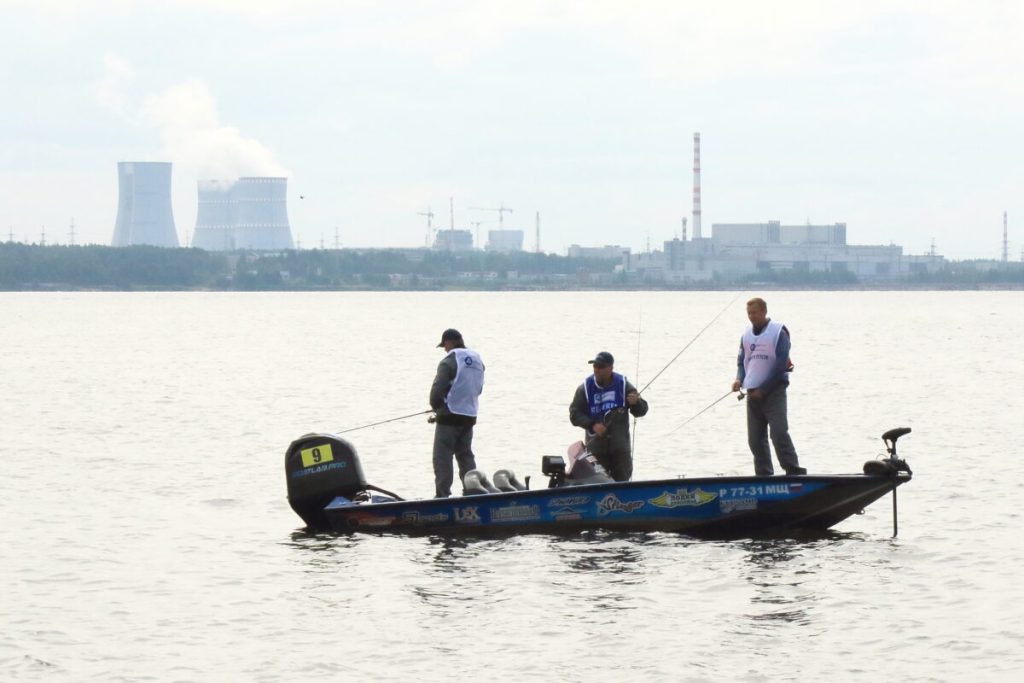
(904, 120)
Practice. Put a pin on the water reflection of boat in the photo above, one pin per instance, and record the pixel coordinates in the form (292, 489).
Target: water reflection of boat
(327, 488)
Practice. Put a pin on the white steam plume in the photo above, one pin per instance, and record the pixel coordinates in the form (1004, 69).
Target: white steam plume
(189, 125)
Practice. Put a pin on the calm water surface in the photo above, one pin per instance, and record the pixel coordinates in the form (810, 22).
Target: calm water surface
(146, 535)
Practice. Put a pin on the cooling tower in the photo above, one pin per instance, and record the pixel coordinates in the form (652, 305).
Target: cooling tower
(215, 223)
(144, 213)
(250, 213)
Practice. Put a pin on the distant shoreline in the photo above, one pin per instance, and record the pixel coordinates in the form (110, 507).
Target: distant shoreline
(930, 287)
(140, 268)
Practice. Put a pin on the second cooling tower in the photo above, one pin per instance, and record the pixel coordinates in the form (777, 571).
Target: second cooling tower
(250, 213)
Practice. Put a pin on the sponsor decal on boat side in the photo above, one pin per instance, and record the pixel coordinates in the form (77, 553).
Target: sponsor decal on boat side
(369, 519)
(563, 501)
(683, 497)
(515, 513)
(611, 503)
(414, 517)
(738, 504)
(467, 515)
(567, 513)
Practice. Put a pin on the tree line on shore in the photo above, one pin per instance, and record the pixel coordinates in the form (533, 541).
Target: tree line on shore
(89, 267)
(30, 267)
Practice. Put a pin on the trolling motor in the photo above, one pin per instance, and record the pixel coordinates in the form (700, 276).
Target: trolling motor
(889, 438)
(891, 467)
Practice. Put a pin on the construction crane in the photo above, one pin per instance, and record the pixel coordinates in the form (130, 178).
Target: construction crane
(501, 213)
(430, 228)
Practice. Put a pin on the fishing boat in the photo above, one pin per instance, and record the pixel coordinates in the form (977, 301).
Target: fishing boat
(328, 490)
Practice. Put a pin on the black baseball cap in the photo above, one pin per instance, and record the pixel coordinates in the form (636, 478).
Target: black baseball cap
(450, 334)
(603, 358)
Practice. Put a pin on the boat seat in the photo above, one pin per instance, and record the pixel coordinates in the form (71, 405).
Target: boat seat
(505, 480)
(476, 483)
(584, 468)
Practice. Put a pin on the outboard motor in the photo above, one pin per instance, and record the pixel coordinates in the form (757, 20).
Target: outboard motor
(318, 468)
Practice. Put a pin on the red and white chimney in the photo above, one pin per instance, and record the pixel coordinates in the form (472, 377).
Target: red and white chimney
(696, 186)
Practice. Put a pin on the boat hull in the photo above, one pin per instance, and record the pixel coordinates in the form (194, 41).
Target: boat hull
(712, 507)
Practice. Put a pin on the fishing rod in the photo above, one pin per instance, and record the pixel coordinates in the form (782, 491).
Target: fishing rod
(608, 415)
(697, 336)
(374, 424)
(639, 327)
(707, 408)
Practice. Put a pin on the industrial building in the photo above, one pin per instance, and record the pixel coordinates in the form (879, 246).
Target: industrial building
(144, 214)
(504, 240)
(453, 240)
(737, 250)
(248, 213)
(608, 251)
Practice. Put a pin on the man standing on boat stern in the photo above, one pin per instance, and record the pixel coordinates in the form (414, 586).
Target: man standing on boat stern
(763, 368)
(600, 407)
(455, 399)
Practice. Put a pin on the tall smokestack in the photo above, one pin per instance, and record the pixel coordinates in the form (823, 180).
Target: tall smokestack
(696, 186)
(144, 205)
(1006, 244)
(537, 243)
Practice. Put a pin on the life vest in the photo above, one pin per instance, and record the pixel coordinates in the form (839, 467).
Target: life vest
(602, 399)
(464, 396)
(759, 354)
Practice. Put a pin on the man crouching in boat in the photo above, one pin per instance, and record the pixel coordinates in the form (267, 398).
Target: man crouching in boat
(455, 399)
(600, 407)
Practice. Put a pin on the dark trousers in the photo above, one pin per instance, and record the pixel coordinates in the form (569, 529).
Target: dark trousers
(449, 440)
(614, 454)
(619, 464)
(768, 415)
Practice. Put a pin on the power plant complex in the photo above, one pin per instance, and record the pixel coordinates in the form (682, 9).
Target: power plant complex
(736, 250)
(248, 213)
(251, 213)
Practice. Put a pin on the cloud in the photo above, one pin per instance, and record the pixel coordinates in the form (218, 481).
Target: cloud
(110, 90)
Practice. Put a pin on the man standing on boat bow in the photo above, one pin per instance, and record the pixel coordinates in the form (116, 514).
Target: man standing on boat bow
(455, 399)
(763, 368)
(600, 407)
